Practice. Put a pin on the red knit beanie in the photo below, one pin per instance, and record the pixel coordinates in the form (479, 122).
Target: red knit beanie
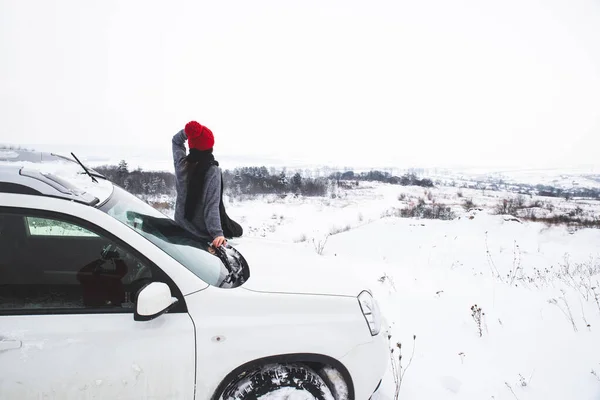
(199, 136)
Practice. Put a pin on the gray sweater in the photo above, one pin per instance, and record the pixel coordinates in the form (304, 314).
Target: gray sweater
(207, 219)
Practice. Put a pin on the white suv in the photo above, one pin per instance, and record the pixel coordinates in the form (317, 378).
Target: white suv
(103, 297)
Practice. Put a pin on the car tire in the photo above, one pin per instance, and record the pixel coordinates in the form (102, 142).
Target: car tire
(277, 381)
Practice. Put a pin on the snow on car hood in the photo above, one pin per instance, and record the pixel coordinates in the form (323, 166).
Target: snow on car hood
(294, 268)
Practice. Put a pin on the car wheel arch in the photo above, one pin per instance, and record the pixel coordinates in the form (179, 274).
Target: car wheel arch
(313, 361)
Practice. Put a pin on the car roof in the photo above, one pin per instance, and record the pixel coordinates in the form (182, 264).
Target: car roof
(52, 175)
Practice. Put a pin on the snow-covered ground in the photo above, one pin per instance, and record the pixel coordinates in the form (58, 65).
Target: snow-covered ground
(535, 287)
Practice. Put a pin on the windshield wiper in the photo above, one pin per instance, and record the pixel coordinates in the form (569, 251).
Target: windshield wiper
(84, 168)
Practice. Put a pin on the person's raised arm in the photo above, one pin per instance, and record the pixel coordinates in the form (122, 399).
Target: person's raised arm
(179, 153)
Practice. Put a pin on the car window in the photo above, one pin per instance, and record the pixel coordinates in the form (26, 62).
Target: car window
(53, 264)
(52, 227)
(190, 251)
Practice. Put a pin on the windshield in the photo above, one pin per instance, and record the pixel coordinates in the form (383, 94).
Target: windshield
(184, 247)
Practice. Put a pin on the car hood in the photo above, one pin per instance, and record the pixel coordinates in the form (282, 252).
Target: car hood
(295, 268)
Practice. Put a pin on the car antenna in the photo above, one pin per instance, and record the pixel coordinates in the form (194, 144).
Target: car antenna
(84, 168)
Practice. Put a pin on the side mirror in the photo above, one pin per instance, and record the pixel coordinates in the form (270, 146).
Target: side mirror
(153, 300)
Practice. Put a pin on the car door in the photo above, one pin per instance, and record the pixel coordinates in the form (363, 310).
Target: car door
(67, 328)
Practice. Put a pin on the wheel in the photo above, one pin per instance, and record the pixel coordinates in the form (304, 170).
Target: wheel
(278, 382)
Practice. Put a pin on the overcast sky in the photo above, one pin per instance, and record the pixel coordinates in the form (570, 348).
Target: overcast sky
(421, 82)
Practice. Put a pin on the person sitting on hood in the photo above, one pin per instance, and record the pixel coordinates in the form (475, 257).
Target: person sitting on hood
(199, 205)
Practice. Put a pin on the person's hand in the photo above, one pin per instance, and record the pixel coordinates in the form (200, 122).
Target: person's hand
(219, 241)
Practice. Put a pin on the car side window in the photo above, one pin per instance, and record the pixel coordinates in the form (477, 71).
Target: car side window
(51, 227)
(54, 264)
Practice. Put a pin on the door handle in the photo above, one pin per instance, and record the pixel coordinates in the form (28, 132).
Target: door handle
(10, 344)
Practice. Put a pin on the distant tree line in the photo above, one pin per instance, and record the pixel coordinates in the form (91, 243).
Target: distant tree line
(550, 191)
(379, 176)
(532, 190)
(254, 181)
(137, 181)
(258, 180)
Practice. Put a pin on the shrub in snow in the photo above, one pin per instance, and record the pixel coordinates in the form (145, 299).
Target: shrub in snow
(515, 273)
(576, 212)
(512, 206)
(396, 362)
(386, 278)
(522, 381)
(579, 276)
(300, 239)
(468, 204)
(516, 267)
(319, 244)
(563, 306)
(507, 207)
(583, 278)
(573, 222)
(336, 230)
(391, 212)
(477, 315)
(537, 211)
(427, 211)
(536, 204)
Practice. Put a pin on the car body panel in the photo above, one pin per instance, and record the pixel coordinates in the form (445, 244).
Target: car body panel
(274, 271)
(97, 356)
(359, 362)
(238, 326)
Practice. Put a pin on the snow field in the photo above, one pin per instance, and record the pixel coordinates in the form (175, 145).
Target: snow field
(532, 283)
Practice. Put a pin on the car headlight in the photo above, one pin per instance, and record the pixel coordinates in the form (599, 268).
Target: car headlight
(370, 310)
